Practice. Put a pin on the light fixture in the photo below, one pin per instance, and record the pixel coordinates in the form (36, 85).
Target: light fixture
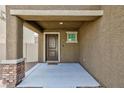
(60, 23)
(35, 34)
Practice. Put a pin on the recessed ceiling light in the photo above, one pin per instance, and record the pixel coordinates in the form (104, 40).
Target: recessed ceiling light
(60, 23)
(35, 34)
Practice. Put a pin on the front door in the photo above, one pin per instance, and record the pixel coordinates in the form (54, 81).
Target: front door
(52, 47)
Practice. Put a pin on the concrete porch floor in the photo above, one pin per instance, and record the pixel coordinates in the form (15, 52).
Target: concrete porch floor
(62, 75)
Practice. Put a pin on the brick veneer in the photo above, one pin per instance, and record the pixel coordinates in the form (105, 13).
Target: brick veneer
(12, 74)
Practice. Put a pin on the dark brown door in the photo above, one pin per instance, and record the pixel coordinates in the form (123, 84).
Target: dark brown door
(51, 47)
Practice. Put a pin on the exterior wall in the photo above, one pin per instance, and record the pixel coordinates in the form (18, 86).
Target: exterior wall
(14, 38)
(102, 47)
(12, 71)
(12, 74)
(40, 47)
(101, 43)
(2, 32)
(68, 52)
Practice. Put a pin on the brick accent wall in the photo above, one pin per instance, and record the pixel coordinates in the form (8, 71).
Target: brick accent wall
(12, 74)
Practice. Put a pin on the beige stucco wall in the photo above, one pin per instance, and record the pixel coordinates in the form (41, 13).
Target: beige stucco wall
(40, 47)
(101, 44)
(15, 26)
(14, 38)
(102, 47)
(68, 52)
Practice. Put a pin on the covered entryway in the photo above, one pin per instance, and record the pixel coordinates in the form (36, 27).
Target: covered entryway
(58, 42)
(62, 75)
(92, 36)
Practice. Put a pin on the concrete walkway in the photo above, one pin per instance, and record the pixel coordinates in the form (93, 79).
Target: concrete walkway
(63, 75)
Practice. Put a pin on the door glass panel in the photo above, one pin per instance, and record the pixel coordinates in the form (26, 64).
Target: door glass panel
(52, 42)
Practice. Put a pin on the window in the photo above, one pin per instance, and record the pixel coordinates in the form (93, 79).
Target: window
(71, 37)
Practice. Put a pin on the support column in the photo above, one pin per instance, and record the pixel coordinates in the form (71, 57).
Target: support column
(40, 47)
(13, 68)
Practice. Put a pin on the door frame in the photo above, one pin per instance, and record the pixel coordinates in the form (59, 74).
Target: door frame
(44, 46)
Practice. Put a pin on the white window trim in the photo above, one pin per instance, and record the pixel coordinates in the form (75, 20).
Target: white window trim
(76, 41)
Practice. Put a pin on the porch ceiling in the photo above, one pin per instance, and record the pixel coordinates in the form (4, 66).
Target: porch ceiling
(67, 25)
(49, 19)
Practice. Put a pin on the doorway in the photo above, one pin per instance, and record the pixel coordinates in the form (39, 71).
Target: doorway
(51, 47)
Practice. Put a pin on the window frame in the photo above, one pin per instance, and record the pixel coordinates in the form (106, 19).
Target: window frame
(75, 33)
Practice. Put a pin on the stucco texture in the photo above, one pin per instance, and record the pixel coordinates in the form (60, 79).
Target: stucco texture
(68, 52)
(14, 38)
(101, 47)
